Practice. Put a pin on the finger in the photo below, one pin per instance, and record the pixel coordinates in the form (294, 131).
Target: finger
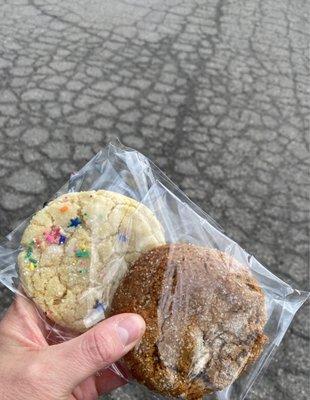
(86, 390)
(107, 380)
(96, 349)
(120, 368)
(23, 323)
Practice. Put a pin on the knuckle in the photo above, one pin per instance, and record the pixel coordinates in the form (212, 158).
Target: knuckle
(38, 382)
(100, 349)
(35, 372)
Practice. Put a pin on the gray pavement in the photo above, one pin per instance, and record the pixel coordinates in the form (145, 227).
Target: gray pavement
(214, 92)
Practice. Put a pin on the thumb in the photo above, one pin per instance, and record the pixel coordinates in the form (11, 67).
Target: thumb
(99, 347)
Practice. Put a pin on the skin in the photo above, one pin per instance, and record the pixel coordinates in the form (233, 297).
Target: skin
(31, 369)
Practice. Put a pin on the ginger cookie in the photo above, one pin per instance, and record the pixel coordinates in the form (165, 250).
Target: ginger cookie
(204, 314)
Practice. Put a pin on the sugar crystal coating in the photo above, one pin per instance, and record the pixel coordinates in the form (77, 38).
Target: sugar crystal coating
(204, 315)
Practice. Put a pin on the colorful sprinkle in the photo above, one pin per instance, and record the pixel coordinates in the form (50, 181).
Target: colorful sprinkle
(29, 257)
(64, 208)
(31, 266)
(74, 222)
(62, 239)
(82, 253)
(28, 253)
(37, 242)
(83, 271)
(122, 237)
(53, 235)
(99, 306)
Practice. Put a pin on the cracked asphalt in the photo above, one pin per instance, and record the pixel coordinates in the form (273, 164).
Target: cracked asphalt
(214, 92)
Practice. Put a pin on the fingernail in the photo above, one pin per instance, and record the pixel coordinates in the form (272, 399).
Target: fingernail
(130, 329)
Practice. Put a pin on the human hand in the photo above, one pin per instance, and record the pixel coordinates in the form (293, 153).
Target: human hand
(30, 369)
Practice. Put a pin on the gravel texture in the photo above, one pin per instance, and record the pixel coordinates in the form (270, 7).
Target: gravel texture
(215, 92)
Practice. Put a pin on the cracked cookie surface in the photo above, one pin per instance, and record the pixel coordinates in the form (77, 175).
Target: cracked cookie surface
(204, 313)
(76, 250)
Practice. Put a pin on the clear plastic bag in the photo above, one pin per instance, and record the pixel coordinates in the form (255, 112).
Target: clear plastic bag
(177, 219)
